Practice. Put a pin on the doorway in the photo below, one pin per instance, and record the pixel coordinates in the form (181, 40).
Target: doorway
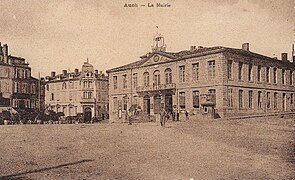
(146, 105)
(157, 104)
(87, 115)
(168, 103)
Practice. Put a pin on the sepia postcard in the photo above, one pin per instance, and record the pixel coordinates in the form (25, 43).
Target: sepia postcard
(147, 89)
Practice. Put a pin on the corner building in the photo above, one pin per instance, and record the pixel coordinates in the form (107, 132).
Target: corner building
(220, 81)
(18, 88)
(84, 92)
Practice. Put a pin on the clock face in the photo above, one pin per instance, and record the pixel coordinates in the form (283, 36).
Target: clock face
(156, 58)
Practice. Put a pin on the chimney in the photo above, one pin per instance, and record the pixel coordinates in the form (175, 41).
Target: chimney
(245, 46)
(64, 72)
(52, 74)
(284, 57)
(192, 48)
(76, 71)
(5, 53)
(96, 71)
(293, 53)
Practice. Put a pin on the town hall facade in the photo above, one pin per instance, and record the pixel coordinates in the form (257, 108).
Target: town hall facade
(220, 81)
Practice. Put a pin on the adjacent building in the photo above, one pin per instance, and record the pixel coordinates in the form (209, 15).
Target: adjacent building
(18, 88)
(79, 92)
(211, 81)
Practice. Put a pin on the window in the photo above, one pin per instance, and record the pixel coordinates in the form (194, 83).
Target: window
(250, 73)
(284, 102)
(125, 103)
(230, 97)
(33, 88)
(259, 102)
(267, 74)
(135, 83)
(157, 80)
(70, 95)
(291, 77)
(84, 84)
(240, 70)
(168, 76)
(250, 99)
(275, 75)
(283, 76)
(268, 100)
(275, 100)
(116, 107)
(229, 69)
(64, 85)
(71, 111)
(89, 95)
(84, 95)
(259, 73)
(211, 69)
(291, 98)
(182, 73)
(115, 81)
(146, 79)
(196, 72)
(196, 101)
(52, 97)
(240, 99)
(125, 81)
(182, 99)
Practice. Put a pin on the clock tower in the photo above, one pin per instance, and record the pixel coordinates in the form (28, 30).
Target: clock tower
(158, 43)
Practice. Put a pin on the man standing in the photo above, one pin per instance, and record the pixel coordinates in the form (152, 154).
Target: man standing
(163, 117)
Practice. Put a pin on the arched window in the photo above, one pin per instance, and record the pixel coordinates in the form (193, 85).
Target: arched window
(84, 84)
(168, 76)
(157, 81)
(146, 79)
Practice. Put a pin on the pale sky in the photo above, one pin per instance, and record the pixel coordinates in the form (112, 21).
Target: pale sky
(61, 34)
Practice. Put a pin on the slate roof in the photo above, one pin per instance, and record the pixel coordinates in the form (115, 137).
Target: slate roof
(176, 56)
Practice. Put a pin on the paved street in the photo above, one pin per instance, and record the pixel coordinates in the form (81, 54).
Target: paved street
(258, 148)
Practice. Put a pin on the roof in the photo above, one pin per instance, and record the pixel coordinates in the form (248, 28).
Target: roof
(176, 56)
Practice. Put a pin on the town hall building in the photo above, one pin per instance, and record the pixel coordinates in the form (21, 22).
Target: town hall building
(203, 81)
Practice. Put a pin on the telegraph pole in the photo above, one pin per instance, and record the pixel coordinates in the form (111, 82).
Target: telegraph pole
(39, 89)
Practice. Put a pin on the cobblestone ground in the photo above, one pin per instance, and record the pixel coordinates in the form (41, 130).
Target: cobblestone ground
(261, 148)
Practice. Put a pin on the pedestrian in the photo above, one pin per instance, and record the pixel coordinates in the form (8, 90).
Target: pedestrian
(186, 115)
(128, 116)
(163, 117)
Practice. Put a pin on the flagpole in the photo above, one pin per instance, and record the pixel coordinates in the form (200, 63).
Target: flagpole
(39, 93)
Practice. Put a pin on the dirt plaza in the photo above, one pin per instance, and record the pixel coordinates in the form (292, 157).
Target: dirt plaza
(257, 148)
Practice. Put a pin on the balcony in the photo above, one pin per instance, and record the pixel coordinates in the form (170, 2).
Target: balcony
(154, 87)
(85, 100)
(208, 99)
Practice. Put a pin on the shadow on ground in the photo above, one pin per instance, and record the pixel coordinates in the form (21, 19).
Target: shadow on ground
(18, 176)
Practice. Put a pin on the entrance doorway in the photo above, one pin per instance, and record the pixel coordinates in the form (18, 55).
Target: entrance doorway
(168, 103)
(146, 105)
(157, 104)
(87, 115)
